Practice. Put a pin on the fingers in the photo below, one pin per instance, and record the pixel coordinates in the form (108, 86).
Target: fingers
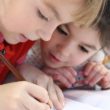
(74, 73)
(89, 68)
(58, 77)
(60, 95)
(95, 73)
(49, 71)
(62, 80)
(92, 74)
(66, 76)
(69, 74)
(27, 96)
(96, 78)
(53, 95)
(37, 92)
(105, 82)
(33, 104)
(106, 85)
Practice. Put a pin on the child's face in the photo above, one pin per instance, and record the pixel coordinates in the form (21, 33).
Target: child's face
(70, 46)
(34, 19)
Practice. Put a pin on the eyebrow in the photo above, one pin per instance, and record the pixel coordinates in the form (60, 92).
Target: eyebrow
(52, 8)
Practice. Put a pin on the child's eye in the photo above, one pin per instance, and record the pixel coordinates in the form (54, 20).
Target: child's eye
(41, 15)
(62, 30)
(83, 49)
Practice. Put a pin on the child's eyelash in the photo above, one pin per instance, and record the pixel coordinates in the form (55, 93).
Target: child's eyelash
(61, 31)
(41, 15)
(84, 49)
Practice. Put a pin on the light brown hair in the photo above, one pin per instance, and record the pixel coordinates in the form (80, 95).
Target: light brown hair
(91, 12)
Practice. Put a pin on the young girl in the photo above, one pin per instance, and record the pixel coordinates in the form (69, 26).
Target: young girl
(24, 20)
(72, 48)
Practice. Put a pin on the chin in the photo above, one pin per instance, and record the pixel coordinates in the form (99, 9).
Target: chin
(53, 65)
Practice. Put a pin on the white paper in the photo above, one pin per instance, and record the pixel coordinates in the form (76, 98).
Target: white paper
(99, 99)
(75, 105)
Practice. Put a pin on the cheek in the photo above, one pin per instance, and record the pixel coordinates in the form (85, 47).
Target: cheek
(76, 61)
(44, 48)
(21, 21)
(19, 25)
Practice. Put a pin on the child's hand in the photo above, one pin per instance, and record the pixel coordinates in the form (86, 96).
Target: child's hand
(56, 95)
(36, 76)
(97, 73)
(64, 77)
(23, 96)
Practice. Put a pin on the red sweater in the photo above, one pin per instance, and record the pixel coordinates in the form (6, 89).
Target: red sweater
(14, 53)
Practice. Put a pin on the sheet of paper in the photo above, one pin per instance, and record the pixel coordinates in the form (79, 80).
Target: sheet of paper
(99, 99)
(75, 105)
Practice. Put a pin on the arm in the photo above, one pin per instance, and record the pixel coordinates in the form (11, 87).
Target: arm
(36, 76)
(65, 77)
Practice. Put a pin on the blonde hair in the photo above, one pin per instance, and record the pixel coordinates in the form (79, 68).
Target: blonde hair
(106, 60)
(91, 12)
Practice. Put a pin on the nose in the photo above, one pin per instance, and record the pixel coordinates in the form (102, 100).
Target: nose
(46, 32)
(46, 36)
(66, 49)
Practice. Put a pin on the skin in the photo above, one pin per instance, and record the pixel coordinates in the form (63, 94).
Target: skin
(97, 73)
(64, 52)
(22, 20)
(23, 89)
(38, 77)
(69, 48)
(34, 19)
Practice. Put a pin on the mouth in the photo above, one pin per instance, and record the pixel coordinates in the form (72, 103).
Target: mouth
(53, 58)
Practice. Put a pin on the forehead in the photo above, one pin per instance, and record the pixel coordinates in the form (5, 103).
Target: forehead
(66, 9)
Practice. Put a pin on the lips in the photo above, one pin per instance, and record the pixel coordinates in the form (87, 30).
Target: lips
(53, 58)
